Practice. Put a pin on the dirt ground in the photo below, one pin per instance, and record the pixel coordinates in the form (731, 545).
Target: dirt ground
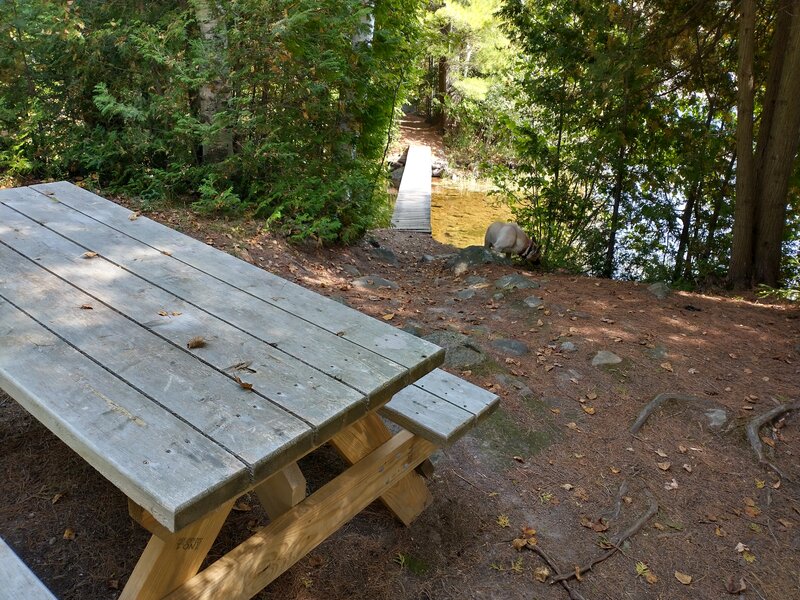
(556, 458)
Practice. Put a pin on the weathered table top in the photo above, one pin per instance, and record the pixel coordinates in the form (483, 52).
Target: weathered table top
(97, 306)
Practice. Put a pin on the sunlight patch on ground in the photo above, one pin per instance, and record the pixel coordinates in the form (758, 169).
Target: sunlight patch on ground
(461, 214)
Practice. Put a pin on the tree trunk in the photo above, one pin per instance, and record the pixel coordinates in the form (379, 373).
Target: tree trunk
(686, 220)
(779, 155)
(776, 61)
(608, 265)
(740, 272)
(713, 222)
(213, 96)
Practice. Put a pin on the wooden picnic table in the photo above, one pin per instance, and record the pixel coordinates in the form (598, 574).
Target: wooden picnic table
(188, 377)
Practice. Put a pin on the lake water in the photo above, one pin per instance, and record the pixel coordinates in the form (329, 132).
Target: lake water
(461, 212)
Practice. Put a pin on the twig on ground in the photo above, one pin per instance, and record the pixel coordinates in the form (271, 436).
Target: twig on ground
(755, 425)
(573, 594)
(464, 479)
(616, 542)
(655, 403)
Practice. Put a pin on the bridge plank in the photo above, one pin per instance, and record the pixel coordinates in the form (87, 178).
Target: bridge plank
(412, 209)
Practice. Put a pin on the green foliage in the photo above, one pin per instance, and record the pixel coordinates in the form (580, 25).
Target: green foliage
(280, 108)
(622, 130)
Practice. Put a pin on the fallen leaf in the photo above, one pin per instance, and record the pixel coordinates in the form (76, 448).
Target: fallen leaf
(572, 425)
(519, 543)
(60, 495)
(687, 467)
(69, 534)
(720, 532)
(541, 574)
(589, 410)
(163, 313)
(760, 484)
(89, 254)
(672, 485)
(133, 216)
(768, 441)
(197, 341)
(664, 466)
(666, 366)
(169, 253)
(567, 486)
(786, 523)
(87, 307)
(749, 502)
(243, 384)
(581, 494)
(528, 531)
(683, 578)
(733, 356)
(615, 470)
(661, 453)
(752, 511)
(519, 459)
(388, 316)
(578, 576)
(748, 556)
(503, 521)
(776, 485)
(693, 371)
(659, 526)
(555, 411)
(682, 449)
(242, 506)
(740, 547)
(591, 396)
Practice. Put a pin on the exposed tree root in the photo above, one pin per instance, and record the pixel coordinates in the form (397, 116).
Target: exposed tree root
(755, 425)
(623, 489)
(615, 541)
(573, 594)
(655, 403)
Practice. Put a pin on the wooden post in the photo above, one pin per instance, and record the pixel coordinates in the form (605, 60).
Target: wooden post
(282, 491)
(170, 559)
(410, 496)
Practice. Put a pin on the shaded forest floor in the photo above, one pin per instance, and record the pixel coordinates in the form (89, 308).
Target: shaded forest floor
(556, 457)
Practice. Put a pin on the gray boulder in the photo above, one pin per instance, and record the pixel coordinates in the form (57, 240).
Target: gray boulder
(511, 347)
(374, 282)
(385, 255)
(516, 281)
(660, 290)
(604, 357)
(472, 257)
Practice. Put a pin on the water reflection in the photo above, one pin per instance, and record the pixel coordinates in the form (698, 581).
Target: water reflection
(461, 212)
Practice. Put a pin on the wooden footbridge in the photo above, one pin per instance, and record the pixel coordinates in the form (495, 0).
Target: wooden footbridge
(412, 209)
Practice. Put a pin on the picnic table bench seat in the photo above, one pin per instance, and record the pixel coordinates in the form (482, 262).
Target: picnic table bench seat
(17, 580)
(440, 407)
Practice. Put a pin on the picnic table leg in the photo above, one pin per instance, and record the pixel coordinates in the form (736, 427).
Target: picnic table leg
(282, 491)
(170, 559)
(410, 496)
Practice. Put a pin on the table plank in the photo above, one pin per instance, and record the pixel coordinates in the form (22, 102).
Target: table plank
(342, 359)
(159, 461)
(336, 318)
(248, 425)
(321, 401)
